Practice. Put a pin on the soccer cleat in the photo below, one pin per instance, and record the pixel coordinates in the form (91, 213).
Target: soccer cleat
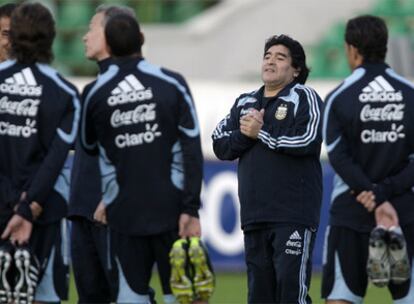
(399, 262)
(5, 264)
(180, 282)
(203, 279)
(27, 275)
(378, 266)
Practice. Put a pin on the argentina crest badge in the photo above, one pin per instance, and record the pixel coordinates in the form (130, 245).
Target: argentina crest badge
(281, 112)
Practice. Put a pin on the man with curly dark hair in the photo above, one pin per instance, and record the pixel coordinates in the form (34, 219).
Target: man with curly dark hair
(39, 113)
(275, 133)
(368, 130)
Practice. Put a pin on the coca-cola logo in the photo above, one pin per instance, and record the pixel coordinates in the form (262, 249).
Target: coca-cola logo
(26, 107)
(142, 113)
(390, 112)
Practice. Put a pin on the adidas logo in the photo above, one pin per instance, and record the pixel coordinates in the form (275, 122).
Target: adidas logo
(295, 236)
(379, 89)
(22, 83)
(129, 90)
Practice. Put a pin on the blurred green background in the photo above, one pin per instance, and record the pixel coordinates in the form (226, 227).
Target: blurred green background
(326, 56)
(73, 16)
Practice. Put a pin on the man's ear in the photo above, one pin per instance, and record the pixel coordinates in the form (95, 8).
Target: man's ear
(354, 56)
(141, 38)
(353, 51)
(297, 72)
(108, 49)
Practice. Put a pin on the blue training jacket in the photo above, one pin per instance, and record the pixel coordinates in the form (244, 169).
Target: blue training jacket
(85, 185)
(369, 133)
(39, 114)
(141, 120)
(280, 178)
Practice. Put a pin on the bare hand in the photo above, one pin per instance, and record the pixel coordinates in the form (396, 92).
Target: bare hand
(23, 196)
(257, 115)
(367, 199)
(34, 206)
(100, 213)
(18, 229)
(251, 123)
(36, 209)
(194, 228)
(188, 226)
(386, 215)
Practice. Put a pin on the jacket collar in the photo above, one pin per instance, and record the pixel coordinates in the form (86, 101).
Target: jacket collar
(284, 92)
(374, 67)
(104, 64)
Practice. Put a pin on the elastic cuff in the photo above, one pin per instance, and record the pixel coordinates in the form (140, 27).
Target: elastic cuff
(192, 212)
(23, 209)
(381, 194)
(266, 128)
(242, 139)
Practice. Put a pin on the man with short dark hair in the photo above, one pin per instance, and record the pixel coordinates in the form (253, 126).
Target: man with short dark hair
(6, 11)
(91, 260)
(369, 133)
(275, 134)
(141, 120)
(39, 113)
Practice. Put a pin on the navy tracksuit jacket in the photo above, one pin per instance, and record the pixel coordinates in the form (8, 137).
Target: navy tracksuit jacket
(369, 133)
(280, 178)
(39, 114)
(141, 120)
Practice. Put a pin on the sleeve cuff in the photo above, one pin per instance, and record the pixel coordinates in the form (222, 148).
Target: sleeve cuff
(23, 209)
(382, 193)
(268, 137)
(242, 139)
(31, 198)
(192, 212)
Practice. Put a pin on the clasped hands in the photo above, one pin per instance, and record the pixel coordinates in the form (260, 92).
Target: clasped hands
(251, 123)
(385, 214)
(18, 229)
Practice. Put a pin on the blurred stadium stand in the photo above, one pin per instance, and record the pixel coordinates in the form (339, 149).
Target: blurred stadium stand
(201, 38)
(226, 41)
(327, 56)
(73, 16)
(223, 39)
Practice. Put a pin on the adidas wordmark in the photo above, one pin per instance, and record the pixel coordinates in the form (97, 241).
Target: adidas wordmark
(379, 90)
(22, 83)
(129, 90)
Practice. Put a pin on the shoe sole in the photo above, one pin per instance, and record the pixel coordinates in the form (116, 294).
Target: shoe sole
(378, 268)
(27, 278)
(400, 272)
(203, 277)
(180, 283)
(400, 268)
(5, 288)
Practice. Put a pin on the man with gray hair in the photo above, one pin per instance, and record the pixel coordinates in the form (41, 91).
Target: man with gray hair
(91, 250)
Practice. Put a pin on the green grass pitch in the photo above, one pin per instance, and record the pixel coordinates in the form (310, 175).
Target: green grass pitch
(232, 288)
